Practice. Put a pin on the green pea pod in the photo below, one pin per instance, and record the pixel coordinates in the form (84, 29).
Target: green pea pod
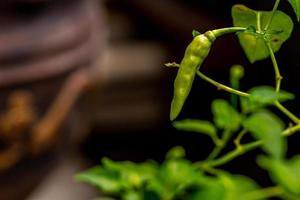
(195, 54)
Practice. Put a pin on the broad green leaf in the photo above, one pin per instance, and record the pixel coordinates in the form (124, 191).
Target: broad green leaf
(284, 173)
(176, 153)
(253, 44)
(214, 190)
(175, 177)
(194, 125)
(267, 95)
(267, 127)
(225, 116)
(237, 186)
(296, 6)
(227, 187)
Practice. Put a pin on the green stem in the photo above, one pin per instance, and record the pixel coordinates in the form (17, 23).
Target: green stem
(291, 130)
(237, 140)
(287, 112)
(221, 86)
(265, 193)
(272, 15)
(223, 31)
(217, 150)
(244, 94)
(278, 79)
(278, 76)
(235, 153)
(242, 149)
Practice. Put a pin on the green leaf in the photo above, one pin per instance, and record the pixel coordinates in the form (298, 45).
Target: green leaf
(132, 195)
(175, 178)
(194, 125)
(254, 44)
(105, 180)
(284, 173)
(195, 33)
(227, 187)
(267, 127)
(296, 6)
(265, 95)
(213, 190)
(237, 186)
(225, 116)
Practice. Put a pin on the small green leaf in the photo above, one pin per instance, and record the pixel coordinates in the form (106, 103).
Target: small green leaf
(267, 127)
(195, 33)
(284, 173)
(225, 116)
(296, 6)
(265, 95)
(105, 180)
(175, 153)
(254, 44)
(194, 125)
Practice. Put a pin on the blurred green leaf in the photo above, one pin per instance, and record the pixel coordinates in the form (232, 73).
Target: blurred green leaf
(225, 116)
(132, 195)
(227, 187)
(296, 6)
(254, 44)
(194, 125)
(262, 96)
(284, 173)
(267, 127)
(213, 190)
(175, 177)
(268, 95)
(105, 180)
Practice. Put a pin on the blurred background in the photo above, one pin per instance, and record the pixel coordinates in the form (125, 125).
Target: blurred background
(85, 79)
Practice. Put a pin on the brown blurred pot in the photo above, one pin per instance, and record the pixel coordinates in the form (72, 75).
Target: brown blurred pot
(46, 62)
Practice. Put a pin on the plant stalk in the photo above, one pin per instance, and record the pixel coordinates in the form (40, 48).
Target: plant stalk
(272, 14)
(221, 86)
(242, 149)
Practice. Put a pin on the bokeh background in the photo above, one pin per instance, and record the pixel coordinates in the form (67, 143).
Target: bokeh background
(85, 79)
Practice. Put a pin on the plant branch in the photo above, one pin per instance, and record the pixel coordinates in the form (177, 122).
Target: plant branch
(242, 149)
(278, 79)
(237, 140)
(223, 31)
(278, 76)
(288, 113)
(218, 148)
(272, 14)
(221, 86)
(265, 193)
